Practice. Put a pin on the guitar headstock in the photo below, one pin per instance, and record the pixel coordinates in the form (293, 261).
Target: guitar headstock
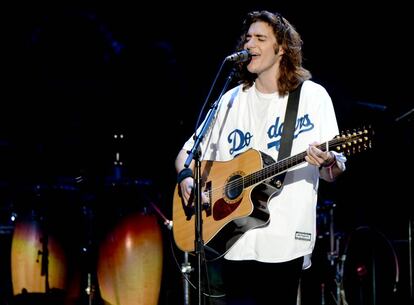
(355, 141)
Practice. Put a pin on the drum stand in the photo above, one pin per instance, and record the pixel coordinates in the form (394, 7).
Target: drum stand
(45, 259)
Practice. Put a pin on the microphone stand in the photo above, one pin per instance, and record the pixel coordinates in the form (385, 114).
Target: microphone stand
(405, 116)
(195, 154)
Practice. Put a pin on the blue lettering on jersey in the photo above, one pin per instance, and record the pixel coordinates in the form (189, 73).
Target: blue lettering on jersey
(275, 131)
(239, 140)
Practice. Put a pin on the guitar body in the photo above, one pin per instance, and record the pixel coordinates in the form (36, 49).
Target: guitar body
(231, 211)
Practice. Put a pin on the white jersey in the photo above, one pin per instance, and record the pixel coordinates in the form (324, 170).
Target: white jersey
(250, 119)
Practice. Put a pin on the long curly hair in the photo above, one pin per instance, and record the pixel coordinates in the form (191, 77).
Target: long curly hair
(291, 71)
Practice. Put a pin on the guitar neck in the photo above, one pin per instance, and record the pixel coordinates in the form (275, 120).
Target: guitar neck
(284, 165)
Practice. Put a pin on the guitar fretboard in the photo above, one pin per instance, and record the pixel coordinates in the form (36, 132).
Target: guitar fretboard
(285, 164)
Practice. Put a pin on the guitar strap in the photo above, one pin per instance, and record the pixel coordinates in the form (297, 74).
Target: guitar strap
(286, 140)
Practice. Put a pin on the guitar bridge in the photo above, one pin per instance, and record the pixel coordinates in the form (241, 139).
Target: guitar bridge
(207, 205)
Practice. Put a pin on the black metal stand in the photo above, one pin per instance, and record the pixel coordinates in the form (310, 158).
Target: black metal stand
(44, 252)
(89, 250)
(410, 255)
(405, 116)
(336, 261)
(194, 154)
(186, 270)
(45, 257)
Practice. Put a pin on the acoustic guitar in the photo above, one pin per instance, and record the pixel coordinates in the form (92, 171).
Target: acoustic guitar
(238, 192)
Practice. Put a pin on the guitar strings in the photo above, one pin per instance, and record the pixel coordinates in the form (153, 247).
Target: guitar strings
(271, 170)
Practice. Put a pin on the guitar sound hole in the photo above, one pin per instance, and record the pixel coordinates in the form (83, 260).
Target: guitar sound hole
(234, 188)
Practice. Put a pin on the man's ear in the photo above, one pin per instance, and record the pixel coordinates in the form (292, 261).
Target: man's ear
(279, 50)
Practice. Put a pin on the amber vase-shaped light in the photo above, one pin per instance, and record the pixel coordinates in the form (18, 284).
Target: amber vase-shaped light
(26, 260)
(130, 262)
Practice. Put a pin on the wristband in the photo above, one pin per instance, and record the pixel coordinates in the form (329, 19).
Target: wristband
(184, 173)
(330, 164)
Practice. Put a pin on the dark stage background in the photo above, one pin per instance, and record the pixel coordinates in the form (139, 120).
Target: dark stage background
(97, 99)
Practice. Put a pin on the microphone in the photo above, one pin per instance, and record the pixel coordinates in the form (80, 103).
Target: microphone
(240, 56)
